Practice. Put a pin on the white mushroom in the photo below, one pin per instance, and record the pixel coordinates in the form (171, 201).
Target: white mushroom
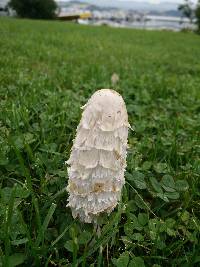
(98, 157)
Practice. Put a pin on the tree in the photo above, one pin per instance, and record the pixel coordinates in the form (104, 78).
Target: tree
(187, 10)
(197, 13)
(36, 9)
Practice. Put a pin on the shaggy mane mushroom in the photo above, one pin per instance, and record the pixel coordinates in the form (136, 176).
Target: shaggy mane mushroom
(98, 156)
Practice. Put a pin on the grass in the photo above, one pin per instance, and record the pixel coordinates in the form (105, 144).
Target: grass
(47, 71)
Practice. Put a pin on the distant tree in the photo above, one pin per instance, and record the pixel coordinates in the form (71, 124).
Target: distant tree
(187, 10)
(197, 13)
(36, 9)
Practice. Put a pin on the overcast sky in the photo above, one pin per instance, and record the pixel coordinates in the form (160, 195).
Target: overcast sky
(150, 1)
(158, 1)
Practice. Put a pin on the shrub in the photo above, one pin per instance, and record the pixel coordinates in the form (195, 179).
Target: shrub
(35, 9)
(197, 13)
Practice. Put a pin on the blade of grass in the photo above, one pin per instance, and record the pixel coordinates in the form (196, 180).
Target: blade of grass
(24, 169)
(52, 198)
(47, 219)
(75, 247)
(62, 234)
(84, 256)
(148, 208)
(26, 230)
(37, 213)
(8, 225)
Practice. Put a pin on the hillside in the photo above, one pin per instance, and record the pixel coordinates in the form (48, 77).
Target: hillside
(135, 5)
(164, 8)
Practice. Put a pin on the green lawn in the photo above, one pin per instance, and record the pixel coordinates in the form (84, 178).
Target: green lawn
(48, 70)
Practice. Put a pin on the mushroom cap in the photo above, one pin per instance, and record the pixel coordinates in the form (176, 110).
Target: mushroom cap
(106, 107)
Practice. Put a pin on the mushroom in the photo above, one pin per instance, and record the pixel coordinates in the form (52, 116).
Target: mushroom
(98, 157)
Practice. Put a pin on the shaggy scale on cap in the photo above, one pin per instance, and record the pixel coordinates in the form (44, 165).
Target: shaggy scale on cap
(98, 156)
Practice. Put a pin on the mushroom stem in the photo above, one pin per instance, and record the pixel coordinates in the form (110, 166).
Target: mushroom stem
(101, 247)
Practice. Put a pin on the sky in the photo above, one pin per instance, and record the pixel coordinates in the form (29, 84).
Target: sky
(159, 1)
(149, 1)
